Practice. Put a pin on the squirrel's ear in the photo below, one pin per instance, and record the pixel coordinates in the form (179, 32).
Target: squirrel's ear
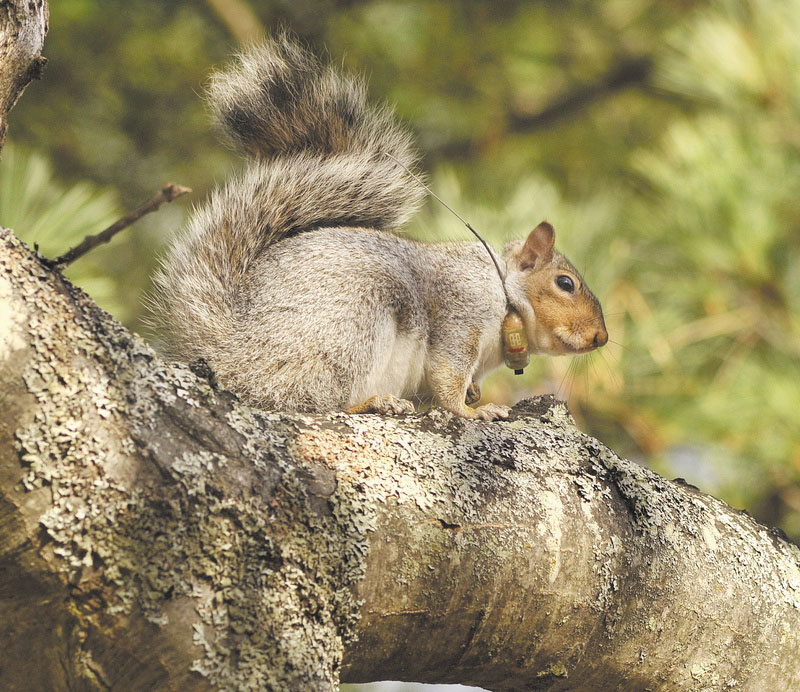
(538, 247)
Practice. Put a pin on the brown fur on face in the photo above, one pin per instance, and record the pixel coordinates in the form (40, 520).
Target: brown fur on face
(566, 321)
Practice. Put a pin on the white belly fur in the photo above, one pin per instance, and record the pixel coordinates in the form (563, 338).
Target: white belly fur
(401, 373)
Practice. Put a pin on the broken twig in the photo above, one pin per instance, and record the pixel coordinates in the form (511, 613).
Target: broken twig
(169, 192)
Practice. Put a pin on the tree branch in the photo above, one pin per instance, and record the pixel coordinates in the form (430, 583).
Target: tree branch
(168, 193)
(627, 72)
(157, 534)
(23, 26)
(239, 18)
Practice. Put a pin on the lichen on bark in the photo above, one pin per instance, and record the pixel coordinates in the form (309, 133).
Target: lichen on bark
(161, 489)
(164, 536)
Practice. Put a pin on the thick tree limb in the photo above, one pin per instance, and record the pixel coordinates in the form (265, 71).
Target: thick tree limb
(23, 26)
(156, 534)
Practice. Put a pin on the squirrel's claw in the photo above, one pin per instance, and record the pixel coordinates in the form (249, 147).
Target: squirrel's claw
(473, 394)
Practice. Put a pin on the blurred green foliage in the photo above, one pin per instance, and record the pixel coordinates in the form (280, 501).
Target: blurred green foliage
(662, 139)
(52, 217)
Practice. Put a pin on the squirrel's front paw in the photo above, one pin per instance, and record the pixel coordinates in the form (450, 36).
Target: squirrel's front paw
(385, 404)
(491, 412)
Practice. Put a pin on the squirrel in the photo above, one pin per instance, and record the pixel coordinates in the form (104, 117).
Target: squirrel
(291, 285)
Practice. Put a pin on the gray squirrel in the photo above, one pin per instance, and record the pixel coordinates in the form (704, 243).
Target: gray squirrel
(292, 287)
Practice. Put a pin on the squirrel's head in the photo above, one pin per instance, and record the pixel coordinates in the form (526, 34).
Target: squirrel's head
(567, 318)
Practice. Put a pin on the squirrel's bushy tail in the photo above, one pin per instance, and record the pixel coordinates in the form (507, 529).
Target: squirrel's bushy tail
(278, 98)
(318, 160)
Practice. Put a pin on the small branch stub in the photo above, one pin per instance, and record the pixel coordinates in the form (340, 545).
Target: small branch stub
(168, 193)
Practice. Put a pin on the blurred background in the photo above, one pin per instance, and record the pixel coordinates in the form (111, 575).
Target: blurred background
(661, 139)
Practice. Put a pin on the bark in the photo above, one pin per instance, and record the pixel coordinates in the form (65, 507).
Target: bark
(157, 534)
(23, 26)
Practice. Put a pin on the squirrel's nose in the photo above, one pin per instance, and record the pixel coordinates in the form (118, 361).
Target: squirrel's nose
(600, 338)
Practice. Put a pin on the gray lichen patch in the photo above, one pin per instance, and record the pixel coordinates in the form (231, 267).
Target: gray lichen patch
(13, 316)
(484, 509)
(162, 488)
(533, 506)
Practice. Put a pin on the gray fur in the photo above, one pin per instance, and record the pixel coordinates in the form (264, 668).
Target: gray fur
(286, 282)
(321, 162)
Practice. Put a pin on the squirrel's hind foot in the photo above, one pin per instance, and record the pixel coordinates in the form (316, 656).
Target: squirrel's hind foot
(385, 404)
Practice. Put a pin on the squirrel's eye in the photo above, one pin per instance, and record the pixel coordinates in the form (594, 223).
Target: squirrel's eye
(565, 283)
